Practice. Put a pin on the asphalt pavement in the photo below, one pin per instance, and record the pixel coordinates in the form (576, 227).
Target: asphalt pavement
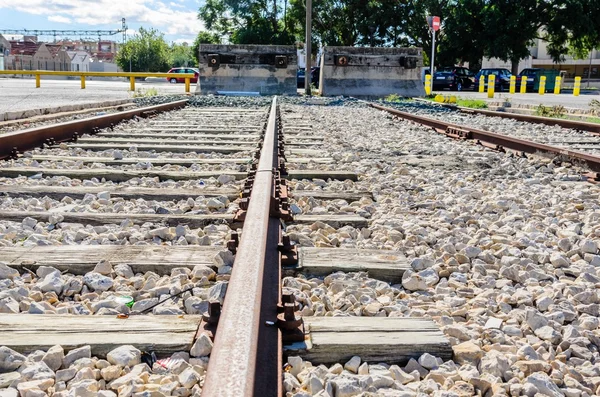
(21, 95)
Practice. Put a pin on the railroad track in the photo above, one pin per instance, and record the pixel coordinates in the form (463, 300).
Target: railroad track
(572, 140)
(244, 237)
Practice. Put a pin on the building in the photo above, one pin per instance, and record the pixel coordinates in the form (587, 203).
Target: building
(80, 61)
(541, 59)
(4, 52)
(103, 50)
(21, 55)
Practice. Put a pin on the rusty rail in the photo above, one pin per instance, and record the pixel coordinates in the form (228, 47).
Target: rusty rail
(497, 140)
(246, 359)
(593, 128)
(19, 141)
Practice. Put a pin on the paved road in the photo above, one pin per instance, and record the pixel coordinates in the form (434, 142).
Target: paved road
(566, 100)
(21, 94)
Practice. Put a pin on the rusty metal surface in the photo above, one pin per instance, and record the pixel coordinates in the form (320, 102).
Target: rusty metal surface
(246, 357)
(501, 141)
(574, 124)
(34, 137)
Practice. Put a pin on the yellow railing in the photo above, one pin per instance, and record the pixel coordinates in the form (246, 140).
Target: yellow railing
(83, 75)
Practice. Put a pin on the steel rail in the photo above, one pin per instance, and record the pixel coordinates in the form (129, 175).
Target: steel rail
(521, 145)
(246, 357)
(34, 137)
(593, 128)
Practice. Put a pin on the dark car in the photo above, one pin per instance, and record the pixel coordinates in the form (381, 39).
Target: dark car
(454, 78)
(531, 74)
(314, 76)
(502, 78)
(175, 71)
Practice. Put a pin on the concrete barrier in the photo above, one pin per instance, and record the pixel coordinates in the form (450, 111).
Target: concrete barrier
(266, 69)
(371, 72)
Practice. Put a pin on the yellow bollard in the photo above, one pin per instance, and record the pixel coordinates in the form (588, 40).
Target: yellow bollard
(83, 82)
(428, 84)
(187, 85)
(557, 85)
(542, 88)
(577, 86)
(482, 84)
(523, 84)
(131, 83)
(513, 84)
(491, 85)
(37, 81)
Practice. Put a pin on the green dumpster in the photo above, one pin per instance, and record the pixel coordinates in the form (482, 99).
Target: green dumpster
(550, 74)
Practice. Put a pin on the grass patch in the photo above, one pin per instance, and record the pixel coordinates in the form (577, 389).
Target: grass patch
(472, 103)
(141, 93)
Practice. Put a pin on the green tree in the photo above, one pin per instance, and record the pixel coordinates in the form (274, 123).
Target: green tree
(204, 38)
(146, 52)
(248, 21)
(182, 55)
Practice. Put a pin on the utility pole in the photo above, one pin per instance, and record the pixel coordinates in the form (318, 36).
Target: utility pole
(307, 47)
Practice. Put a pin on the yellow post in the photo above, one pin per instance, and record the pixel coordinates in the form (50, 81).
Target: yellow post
(491, 85)
(83, 82)
(513, 84)
(131, 83)
(523, 84)
(37, 81)
(187, 84)
(428, 84)
(482, 83)
(557, 85)
(542, 88)
(577, 86)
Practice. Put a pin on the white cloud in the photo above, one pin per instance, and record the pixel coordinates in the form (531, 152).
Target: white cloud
(148, 13)
(59, 19)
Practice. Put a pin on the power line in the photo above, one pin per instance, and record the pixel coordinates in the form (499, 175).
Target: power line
(35, 32)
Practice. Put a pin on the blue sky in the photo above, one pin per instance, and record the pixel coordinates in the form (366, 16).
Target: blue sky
(175, 18)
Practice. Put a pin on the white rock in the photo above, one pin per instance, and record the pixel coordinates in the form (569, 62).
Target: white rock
(188, 378)
(105, 195)
(428, 361)
(9, 305)
(103, 267)
(10, 359)
(223, 258)
(54, 357)
(589, 246)
(202, 347)
(7, 272)
(214, 204)
(353, 364)
(544, 384)
(53, 282)
(493, 323)
(76, 354)
(224, 179)
(98, 282)
(124, 356)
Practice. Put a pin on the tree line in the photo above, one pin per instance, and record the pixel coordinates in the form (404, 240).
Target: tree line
(148, 51)
(471, 29)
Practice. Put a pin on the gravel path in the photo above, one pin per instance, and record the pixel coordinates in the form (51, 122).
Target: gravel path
(553, 135)
(504, 257)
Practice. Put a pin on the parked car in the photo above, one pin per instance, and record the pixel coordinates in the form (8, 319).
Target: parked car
(454, 78)
(314, 76)
(502, 78)
(532, 74)
(175, 71)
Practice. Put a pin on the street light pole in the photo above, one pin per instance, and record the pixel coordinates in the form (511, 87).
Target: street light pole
(307, 47)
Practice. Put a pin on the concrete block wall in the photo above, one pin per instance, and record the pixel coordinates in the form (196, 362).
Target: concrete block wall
(371, 72)
(247, 68)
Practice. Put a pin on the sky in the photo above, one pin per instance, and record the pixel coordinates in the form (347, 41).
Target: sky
(177, 19)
